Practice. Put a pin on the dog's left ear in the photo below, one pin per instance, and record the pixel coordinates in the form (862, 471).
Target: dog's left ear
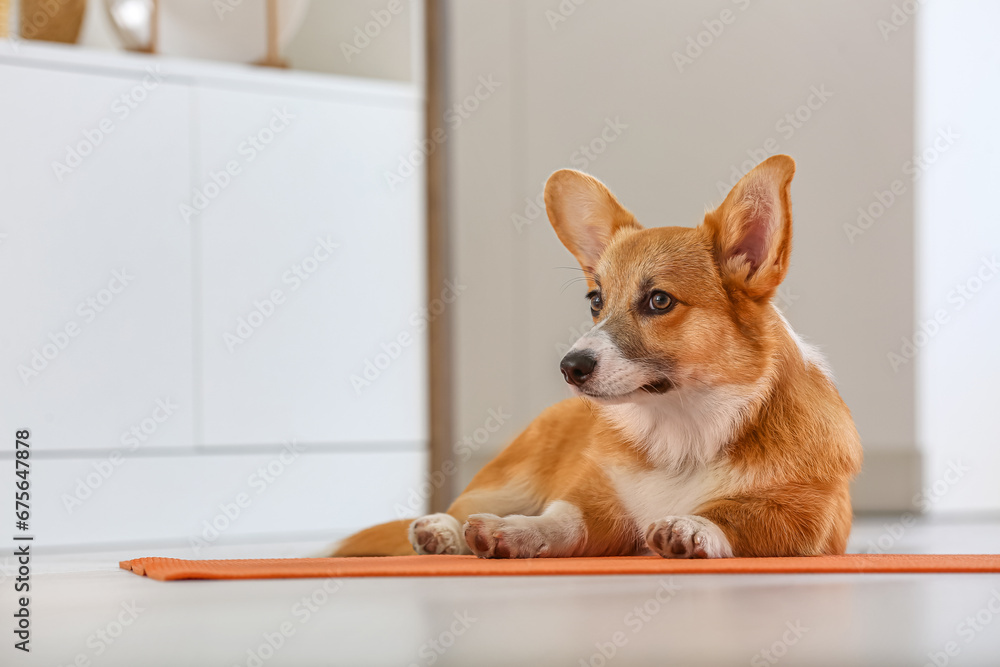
(585, 215)
(752, 229)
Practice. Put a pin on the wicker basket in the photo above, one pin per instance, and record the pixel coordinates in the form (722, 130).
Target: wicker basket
(52, 20)
(4, 17)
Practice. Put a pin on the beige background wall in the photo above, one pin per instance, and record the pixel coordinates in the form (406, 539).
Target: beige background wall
(534, 82)
(682, 132)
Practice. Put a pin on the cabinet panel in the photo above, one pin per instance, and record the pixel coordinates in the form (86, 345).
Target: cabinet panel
(123, 297)
(95, 268)
(287, 319)
(215, 499)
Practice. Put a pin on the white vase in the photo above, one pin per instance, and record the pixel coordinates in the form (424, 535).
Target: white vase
(230, 30)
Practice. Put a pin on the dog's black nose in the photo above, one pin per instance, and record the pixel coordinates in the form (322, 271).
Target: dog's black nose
(577, 366)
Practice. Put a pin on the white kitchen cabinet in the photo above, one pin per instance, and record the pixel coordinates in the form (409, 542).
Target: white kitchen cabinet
(288, 319)
(95, 272)
(297, 224)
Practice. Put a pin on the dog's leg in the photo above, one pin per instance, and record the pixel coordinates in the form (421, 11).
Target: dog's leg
(688, 537)
(437, 534)
(785, 521)
(558, 531)
(443, 533)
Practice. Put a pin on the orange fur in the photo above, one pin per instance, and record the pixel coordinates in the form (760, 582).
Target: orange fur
(385, 539)
(596, 474)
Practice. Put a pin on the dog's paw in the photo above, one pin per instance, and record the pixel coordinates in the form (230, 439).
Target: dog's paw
(490, 536)
(687, 537)
(437, 534)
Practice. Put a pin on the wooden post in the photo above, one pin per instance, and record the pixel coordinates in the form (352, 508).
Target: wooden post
(438, 254)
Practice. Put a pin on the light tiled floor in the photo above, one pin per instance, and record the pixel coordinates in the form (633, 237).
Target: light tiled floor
(84, 609)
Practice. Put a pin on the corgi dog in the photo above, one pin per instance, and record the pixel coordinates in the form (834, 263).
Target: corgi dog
(701, 427)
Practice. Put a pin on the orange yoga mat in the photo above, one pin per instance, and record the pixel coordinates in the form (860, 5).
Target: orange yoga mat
(168, 569)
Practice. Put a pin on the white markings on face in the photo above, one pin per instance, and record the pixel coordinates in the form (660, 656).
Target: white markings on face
(615, 375)
(688, 424)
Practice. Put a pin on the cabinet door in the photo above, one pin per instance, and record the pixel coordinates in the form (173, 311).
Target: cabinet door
(95, 268)
(290, 323)
(172, 501)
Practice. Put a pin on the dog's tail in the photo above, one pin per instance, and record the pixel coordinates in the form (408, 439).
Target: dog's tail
(385, 539)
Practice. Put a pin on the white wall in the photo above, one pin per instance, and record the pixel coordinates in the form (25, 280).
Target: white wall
(685, 131)
(958, 246)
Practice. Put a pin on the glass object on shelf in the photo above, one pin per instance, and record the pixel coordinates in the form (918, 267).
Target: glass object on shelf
(248, 31)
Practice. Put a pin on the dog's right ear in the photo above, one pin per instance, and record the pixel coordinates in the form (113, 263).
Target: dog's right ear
(585, 215)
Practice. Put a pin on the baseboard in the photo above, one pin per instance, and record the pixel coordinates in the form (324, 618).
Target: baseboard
(889, 481)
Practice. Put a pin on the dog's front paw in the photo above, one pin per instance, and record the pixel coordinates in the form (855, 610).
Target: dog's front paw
(437, 534)
(489, 536)
(687, 537)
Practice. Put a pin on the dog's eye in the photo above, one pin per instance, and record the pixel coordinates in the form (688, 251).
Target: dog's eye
(661, 302)
(596, 303)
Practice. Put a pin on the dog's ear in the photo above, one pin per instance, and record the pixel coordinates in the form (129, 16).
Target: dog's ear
(751, 230)
(585, 215)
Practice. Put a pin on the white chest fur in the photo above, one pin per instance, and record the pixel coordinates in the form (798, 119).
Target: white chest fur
(684, 426)
(651, 495)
